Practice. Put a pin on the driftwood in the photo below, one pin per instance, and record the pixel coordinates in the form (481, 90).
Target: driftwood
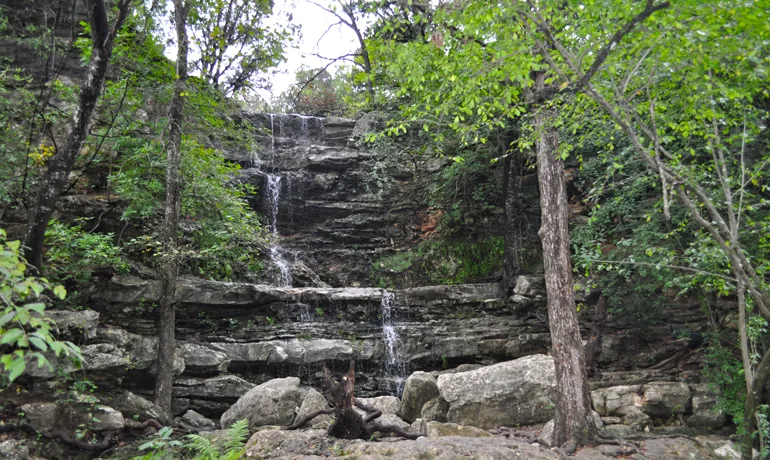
(349, 424)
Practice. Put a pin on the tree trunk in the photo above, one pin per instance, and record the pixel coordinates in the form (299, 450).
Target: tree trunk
(169, 266)
(573, 420)
(511, 227)
(56, 175)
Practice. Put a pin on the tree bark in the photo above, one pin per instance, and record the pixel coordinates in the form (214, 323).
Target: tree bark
(511, 227)
(169, 266)
(573, 419)
(56, 175)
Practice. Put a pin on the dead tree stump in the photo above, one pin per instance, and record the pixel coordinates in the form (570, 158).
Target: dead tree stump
(349, 424)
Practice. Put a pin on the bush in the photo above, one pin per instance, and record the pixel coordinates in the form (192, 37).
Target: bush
(73, 253)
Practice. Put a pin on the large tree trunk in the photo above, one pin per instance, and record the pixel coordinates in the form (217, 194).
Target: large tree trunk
(511, 228)
(573, 424)
(166, 320)
(56, 175)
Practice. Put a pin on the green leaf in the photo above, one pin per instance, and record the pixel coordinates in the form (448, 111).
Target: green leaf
(60, 292)
(11, 336)
(16, 368)
(39, 344)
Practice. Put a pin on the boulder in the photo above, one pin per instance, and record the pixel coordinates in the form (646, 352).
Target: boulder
(274, 402)
(529, 286)
(14, 449)
(419, 388)
(435, 410)
(392, 420)
(43, 415)
(105, 418)
(135, 407)
(617, 400)
(704, 413)
(203, 360)
(313, 402)
(194, 421)
(546, 434)
(438, 429)
(286, 444)
(418, 426)
(637, 419)
(664, 399)
(50, 416)
(511, 393)
(728, 451)
(387, 404)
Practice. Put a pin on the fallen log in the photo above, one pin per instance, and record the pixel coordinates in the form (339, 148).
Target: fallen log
(348, 423)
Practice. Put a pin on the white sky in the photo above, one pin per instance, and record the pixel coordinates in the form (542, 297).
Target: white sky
(314, 21)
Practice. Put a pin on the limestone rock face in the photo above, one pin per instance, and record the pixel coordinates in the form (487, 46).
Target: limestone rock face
(203, 360)
(274, 402)
(75, 324)
(313, 444)
(522, 391)
(419, 388)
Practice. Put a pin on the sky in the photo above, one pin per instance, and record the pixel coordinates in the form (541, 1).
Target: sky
(314, 21)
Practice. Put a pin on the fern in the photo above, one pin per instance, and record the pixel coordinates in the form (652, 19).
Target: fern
(233, 444)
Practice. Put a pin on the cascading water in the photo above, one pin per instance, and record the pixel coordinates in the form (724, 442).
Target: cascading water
(276, 253)
(395, 365)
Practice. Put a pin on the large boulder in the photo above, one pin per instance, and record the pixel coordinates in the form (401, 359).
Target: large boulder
(419, 388)
(512, 393)
(274, 402)
(135, 407)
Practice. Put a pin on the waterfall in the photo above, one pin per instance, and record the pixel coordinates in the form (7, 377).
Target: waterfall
(276, 252)
(394, 365)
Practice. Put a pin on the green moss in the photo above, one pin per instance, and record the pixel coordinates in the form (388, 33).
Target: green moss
(441, 262)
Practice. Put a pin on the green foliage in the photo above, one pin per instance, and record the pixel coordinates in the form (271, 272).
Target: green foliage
(724, 373)
(230, 447)
(440, 262)
(317, 92)
(73, 253)
(26, 333)
(161, 447)
(222, 236)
